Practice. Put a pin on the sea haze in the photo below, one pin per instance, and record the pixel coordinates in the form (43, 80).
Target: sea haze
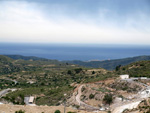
(74, 51)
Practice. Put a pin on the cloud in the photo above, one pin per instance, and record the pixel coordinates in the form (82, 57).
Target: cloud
(31, 22)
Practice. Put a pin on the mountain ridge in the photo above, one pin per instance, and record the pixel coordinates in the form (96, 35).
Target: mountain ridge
(110, 64)
(107, 64)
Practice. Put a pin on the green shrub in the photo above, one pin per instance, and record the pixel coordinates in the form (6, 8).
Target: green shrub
(20, 111)
(69, 72)
(76, 106)
(93, 72)
(78, 70)
(91, 96)
(108, 99)
(57, 111)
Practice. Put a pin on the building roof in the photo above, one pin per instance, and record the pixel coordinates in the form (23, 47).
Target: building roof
(31, 98)
(124, 75)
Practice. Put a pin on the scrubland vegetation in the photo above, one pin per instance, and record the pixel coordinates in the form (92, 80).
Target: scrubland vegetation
(47, 80)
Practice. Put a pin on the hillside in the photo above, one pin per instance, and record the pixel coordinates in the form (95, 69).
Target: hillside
(107, 64)
(16, 57)
(110, 64)
(117, 94)
(9, 65)
(136, 69)
(48, 80)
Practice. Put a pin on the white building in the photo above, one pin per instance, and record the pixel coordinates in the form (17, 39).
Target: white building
(143, 78)
(29, 100)
(124, 76)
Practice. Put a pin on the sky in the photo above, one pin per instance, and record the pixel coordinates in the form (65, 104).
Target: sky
(75, 21)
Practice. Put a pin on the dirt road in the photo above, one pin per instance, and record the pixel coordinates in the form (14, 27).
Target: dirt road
(5, 91)
(88, 107)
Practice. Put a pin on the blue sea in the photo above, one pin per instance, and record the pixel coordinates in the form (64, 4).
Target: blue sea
(84, 52)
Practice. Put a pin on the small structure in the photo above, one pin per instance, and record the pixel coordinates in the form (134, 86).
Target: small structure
(30, 82)
(124, 76)
(28, 100)
(31, 99)
(102, 109)
(143, 78)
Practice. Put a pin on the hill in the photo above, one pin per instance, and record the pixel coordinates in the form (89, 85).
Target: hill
(10, 64)
(136, 69)
(16, 57)
(107, 64)
(110, 64)
(47, 79)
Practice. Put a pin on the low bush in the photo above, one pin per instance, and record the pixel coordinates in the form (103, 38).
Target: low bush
(91, 96)
(20, 111)
(57, 111)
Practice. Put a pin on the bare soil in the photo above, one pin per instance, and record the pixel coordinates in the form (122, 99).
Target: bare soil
(6, 108)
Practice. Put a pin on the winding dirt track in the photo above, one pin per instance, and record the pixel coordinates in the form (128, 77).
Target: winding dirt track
(88, 107)
(118, 108)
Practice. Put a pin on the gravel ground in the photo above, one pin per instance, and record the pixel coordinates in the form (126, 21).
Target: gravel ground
(5, 108)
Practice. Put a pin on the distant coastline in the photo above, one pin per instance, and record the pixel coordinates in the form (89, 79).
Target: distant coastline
(74, 52)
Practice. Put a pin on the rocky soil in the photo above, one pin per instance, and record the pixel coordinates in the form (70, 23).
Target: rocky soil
(6, 108)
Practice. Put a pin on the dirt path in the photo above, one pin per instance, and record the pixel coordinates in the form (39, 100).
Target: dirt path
(88, 107)
(5, 91)
(79, 95)
(118, 107)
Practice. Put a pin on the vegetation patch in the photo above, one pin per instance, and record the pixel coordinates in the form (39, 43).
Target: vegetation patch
(108, 99)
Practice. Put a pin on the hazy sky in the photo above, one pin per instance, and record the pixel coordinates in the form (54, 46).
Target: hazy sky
(75, 21)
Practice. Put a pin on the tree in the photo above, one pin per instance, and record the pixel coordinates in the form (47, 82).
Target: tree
(93, 72)
(57, 111)
(108, 99)
(118, 67)
(78, 70)
(91, 96)
(69, 72)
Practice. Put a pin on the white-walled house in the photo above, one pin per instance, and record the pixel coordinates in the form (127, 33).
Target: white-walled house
(124, 76)
(28, 100)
